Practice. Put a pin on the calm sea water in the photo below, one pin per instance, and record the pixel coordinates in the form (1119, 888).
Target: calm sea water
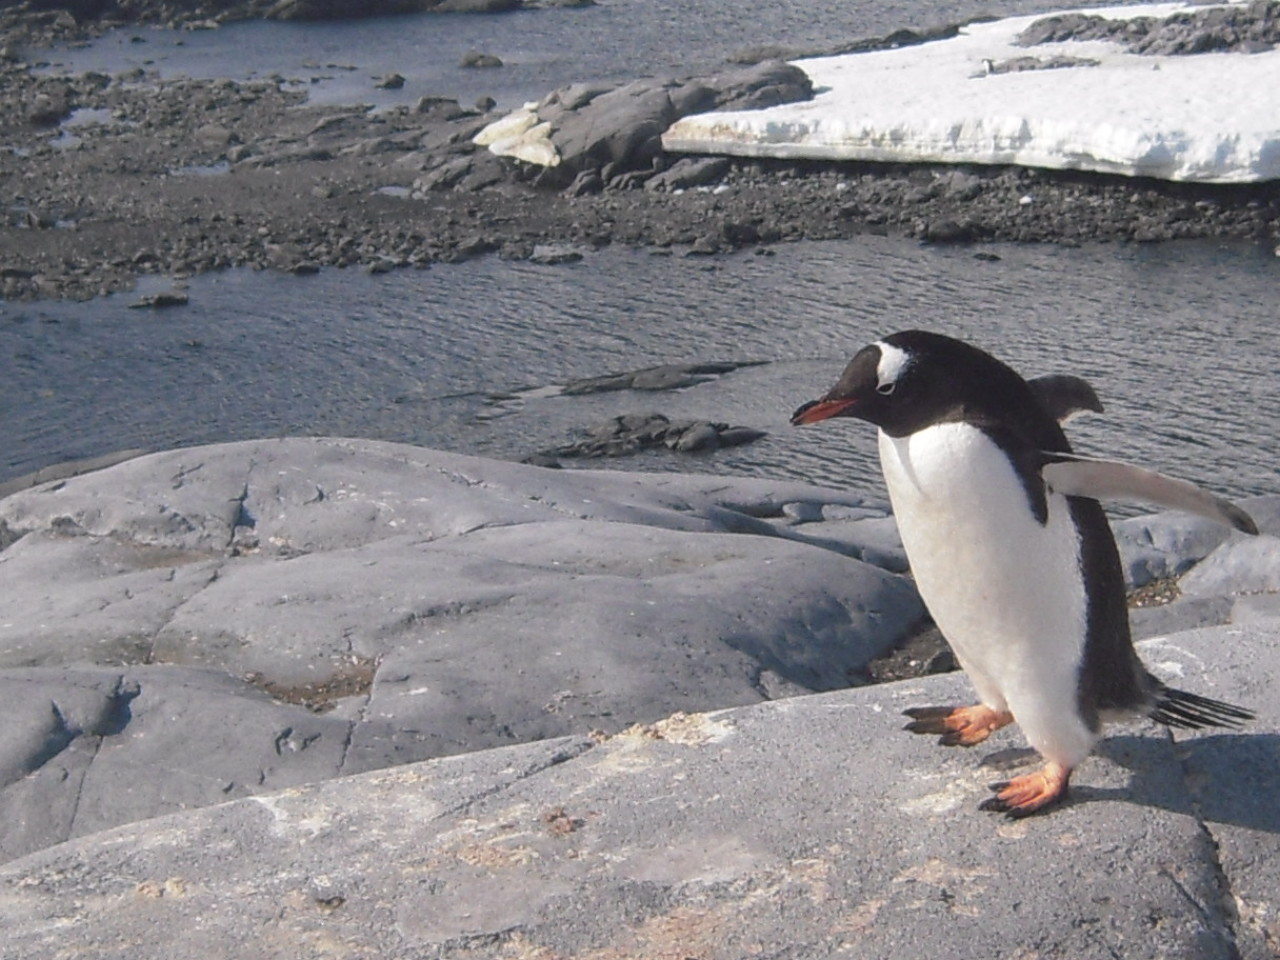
(1178, 339)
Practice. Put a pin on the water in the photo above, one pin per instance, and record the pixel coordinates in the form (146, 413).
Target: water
(1177, 338)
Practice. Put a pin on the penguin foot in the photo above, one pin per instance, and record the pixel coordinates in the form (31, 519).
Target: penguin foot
(1025, 795)
(958, 726)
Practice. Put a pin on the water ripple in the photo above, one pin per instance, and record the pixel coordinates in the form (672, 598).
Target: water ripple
(1177, 339)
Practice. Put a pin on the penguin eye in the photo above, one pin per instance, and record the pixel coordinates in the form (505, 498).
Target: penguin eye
(886, 389)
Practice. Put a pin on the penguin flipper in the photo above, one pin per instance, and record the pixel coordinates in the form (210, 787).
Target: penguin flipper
(1111, 480)
(1063, 395)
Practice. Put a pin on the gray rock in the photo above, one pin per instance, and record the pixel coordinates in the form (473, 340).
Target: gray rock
(950, 231)
(1249, 28)
(169, 298)
(1163, 545)
(586, 183)
(1255, 607)
(616, 131)
(69, 596)
(1265, 512)
(476, 6)
(689, 172)
(737, 436)
(873, 540)
(443, 109)
(554, 253)
(863, 511)
(1022, 64)
(795, 828)
(434, 603)
(49, 109)
(803, 512)
(1241, 565)
(621, 128)
(699, 436)
(84, 749)
(477, 60)
(447, 175)
(61, 471)
(760, 85)
(1188, 613)
(631, 433)
(214, 135)
(342, 10)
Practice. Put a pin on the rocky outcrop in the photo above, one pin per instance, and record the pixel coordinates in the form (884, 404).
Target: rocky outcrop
(586, 135)
(283, 631)
(304, 609)
(809, 827)
(310, 609)
(1248, 28)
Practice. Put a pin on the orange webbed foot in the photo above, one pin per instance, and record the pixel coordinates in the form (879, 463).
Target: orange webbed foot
(958, 726)
(1032, 792)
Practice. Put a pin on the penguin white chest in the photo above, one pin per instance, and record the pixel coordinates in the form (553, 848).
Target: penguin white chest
(1006, 590)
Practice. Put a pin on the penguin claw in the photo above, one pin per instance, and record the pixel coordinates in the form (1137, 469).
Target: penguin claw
(1030, 793)
(957, 726)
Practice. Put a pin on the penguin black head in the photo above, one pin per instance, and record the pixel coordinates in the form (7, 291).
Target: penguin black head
(915, 379)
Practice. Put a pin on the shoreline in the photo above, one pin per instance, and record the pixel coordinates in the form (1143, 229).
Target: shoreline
(179, 177)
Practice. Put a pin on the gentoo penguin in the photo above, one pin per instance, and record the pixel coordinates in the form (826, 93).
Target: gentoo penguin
(1012, 552)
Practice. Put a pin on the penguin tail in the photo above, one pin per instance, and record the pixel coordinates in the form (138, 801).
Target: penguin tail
(1177, 708)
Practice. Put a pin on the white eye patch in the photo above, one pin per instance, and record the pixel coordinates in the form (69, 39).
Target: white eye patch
(893, 364)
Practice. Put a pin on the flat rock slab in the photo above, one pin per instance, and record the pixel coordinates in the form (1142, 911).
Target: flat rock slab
(86, 748)
(807, 827)
(166, 623)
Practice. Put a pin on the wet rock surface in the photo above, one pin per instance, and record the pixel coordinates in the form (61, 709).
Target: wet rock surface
(183, 176)
(630, 433)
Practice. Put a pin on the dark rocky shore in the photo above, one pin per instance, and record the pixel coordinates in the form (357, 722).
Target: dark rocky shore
(184, 176)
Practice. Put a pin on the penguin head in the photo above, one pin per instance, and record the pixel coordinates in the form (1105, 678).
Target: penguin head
(914, 379)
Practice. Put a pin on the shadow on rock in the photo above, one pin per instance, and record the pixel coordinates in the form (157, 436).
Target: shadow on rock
(1226, 778)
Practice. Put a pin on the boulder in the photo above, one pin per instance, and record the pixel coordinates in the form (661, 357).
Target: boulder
(1241, 565)
(616, 131)
(1162, 545)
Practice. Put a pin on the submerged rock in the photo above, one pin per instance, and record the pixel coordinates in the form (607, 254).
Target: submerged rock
(627, 434)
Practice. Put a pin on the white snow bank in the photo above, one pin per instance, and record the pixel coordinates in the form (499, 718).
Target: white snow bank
(1211, 117)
